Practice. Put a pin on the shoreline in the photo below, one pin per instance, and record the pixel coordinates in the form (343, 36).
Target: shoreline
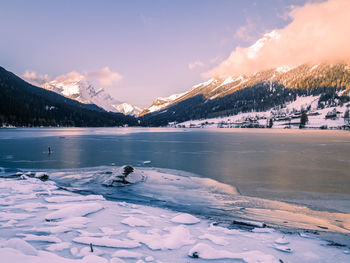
(209, 198)
(316, 128)
(136, 232)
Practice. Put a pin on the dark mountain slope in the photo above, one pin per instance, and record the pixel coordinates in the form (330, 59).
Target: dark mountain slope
(22, 104)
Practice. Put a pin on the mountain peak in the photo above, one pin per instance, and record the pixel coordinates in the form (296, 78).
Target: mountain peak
(127, 109)
(254, 49)
(75, 86)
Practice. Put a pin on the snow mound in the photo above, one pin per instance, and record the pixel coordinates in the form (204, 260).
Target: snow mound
(48, 239)
(134, 221)
(149, 259)
(59, 247)
(5, 216)
(62, 199)
(263, 230)
(282, 248)
(177, 237)
(22, 246)
(185, 219)
(106, 242)
(281, 241)
(74, 210)
(215, 239)
(116, 260)
(86, 251)
(127, 254)
(94, 259)
(205, 251)
(110, 231)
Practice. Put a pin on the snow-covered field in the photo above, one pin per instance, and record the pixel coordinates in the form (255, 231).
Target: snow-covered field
(262, 118)
(40, 222)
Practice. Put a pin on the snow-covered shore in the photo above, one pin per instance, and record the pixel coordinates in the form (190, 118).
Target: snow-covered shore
(40, 222)
(281, 117)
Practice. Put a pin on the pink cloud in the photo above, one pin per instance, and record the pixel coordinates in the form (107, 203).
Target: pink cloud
(100, 77)
(247, 31)
(72, 76)
(195, 64)
(104, 76)
(34, 78)
(319, 32)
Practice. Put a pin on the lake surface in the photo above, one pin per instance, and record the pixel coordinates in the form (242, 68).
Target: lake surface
(294, 179)
(309, 167)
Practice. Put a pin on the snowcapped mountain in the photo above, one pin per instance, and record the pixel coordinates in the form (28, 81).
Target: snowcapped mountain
(254, 49)
(75, 86)
(262, 91)
(160, 103)
(128, 109)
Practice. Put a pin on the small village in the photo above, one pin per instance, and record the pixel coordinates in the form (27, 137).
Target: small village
(327, 118)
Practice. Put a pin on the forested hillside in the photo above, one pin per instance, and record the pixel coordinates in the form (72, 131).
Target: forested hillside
(22, 104)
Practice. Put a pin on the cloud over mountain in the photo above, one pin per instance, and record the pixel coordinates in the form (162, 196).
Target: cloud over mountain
(195, 64)
(104, 76)
(100, 77)
(319, 32)
(34, 78)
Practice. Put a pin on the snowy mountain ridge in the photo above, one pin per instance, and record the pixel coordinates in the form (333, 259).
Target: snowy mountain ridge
(258, 92)
(127, 109)
(220, 87)
(78, 88)
(160, 103)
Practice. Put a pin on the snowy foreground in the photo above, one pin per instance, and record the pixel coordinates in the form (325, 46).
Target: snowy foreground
(39, 222)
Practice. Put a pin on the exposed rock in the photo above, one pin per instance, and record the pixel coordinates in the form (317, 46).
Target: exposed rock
(42, 176)
(125, 175)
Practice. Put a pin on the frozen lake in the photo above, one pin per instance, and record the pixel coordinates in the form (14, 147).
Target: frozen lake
(306, 167)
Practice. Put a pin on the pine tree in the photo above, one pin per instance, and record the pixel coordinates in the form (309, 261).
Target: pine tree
(346, 117)
(303, 120)
(270, 123)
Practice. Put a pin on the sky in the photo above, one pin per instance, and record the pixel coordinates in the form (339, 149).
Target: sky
(141, 50)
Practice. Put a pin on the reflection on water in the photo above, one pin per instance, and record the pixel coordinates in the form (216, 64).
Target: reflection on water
(305, 167)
